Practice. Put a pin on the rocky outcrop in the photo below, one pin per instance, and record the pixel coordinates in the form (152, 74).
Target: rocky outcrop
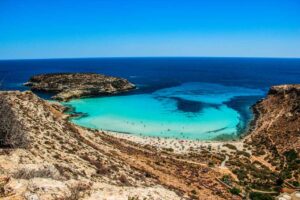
(68, 86)
(12, 131)
(277, 125)
(284, 89)
(275, 134)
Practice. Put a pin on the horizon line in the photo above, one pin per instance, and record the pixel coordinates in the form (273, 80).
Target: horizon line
(132, 57)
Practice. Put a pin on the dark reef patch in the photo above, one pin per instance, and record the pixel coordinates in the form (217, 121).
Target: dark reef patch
(192, 106)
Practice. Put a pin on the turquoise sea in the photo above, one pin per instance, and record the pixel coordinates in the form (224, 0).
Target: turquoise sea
(190, 98)
(192, 110)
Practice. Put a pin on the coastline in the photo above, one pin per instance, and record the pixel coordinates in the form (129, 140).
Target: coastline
(239, 135)
(188, 168)
(180, 146)
(176, 145)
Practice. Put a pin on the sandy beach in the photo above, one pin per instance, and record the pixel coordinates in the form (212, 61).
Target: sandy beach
(179, 145)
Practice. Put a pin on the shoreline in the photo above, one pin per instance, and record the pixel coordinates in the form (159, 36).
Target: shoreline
(176, 145)
(189, 168)
(180, 146)
(50, 83)
(70, 111)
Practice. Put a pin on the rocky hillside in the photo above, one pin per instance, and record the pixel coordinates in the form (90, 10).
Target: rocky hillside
(277, 124)
(67, 86)
(275, 136)
(43, 156)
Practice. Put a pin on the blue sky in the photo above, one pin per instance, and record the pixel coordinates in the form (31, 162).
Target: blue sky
(117, 28)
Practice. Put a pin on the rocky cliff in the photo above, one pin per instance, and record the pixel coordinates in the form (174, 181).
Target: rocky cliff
(275, 137)
(277, 124)
(67, 86)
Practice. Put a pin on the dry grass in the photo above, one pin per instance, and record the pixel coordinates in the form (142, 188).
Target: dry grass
(43, 172)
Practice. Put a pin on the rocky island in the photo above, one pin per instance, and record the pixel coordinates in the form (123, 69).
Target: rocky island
(44, 156)
(68, 86)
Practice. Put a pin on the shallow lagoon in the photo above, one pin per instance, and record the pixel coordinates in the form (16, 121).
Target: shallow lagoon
(191, 110)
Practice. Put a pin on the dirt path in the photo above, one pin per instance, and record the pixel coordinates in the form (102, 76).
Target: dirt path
(224, 161)
(263, 162)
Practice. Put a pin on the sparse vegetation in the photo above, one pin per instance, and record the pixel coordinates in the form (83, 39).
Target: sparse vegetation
(235, 191)
(78, 189)
(123, 179)
(296, 183)
(211, 164)
(168, 149)
(136, 198)
(260, 196)
(244, 153)
(230, 146)
(41, 172)
(227, 179)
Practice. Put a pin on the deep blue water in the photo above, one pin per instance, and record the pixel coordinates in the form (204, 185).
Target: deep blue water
(196, 98)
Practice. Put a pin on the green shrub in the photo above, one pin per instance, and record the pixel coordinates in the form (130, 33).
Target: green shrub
(211, 164)
(133, 198)
(168, 149)
(296, 183)
(227, 179)
(235, 191)
(244, 153)
(260, 196)
(230, 146)
(279, 181)
(291, 155)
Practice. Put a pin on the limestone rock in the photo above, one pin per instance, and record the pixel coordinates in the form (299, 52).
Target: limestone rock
(68, 86)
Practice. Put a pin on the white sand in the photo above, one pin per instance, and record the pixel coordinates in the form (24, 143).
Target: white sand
(178, 145)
